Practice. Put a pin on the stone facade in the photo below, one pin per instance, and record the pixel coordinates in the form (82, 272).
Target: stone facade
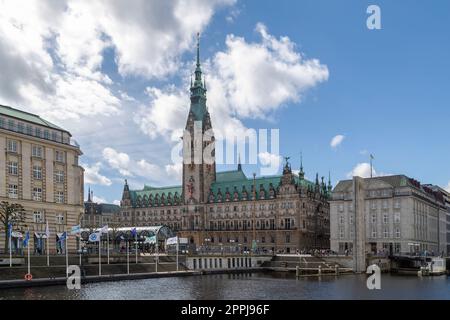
(445, 225)
(97, 215)
(227, 209)
(39, 169)
(400, 215)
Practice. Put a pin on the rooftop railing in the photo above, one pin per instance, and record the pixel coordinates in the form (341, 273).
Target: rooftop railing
(49, 135)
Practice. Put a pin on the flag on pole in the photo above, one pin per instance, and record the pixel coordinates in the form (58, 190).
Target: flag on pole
(47, 234)
(134, 232)
(9, 229)
(254, 245)
(173, 240)
(150, 240)
(104, 229)
(47, 230)
(372, 157)
(27, 239)
(75, 229)
(94, 237)
(63, 237)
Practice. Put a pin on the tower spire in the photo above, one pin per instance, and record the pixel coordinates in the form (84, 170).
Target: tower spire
(198, 50)
(329, 182)
(239, 163)
(198, 83)
(301, 173)
(89, 194)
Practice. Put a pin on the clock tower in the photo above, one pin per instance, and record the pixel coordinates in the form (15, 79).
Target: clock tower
(199, 167)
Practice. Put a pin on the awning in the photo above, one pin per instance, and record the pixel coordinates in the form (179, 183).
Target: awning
(59, 235)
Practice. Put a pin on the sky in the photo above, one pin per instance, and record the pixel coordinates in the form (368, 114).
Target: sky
(116, 74)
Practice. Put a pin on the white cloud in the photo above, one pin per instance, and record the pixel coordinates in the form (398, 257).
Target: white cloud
(175, 171)
(260, 77)
(447, 188)
(116, 202)
(99, 200)
(51, 52)
(269, 159)
(117, 160)
(336, 141)
(246, 80)
(146, 169)
(93, 176)
(44, 68)
(164, 115)
(128, 167)
(234, 13)
(149, 36)
(363, 170)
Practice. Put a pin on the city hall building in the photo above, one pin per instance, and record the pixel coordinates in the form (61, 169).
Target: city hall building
(39, 170)
(281, 213)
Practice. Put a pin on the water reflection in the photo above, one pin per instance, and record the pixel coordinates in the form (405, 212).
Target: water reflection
(247, 286)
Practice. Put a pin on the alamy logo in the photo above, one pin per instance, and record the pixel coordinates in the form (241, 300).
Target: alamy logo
(374, 20)
(374, 280)
(198, 147)
(73, 278)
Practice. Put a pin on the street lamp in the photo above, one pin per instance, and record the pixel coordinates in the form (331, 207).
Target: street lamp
(231, 246)
(207, 241)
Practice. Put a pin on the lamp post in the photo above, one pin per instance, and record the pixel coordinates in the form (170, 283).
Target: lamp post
(231, 246)
(207, 241)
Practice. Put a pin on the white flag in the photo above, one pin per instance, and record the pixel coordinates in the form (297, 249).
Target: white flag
(173, 240)
(104, 229)
(75, 229)
(47, 231)
(94, 237)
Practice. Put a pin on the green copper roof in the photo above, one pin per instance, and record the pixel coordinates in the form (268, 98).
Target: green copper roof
(26, 116)
(108, 207)
(227, 176)
(155, 192)
(236, 180)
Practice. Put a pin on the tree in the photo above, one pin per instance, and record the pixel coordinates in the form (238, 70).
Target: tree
(13, 213)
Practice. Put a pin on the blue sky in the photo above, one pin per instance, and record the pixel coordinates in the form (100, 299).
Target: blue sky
(121, 87)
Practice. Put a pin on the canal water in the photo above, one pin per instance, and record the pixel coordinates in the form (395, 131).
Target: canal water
(277, 286)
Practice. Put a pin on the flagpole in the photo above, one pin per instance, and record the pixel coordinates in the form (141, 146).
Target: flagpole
(177, 253)
(128, 259)
(136, 246)
(371, 166)
(100, 254)
(47, 231)
(67, 255)
(156, 260)
(107, 243)
(48, 252)
(10, 245)
(79, 245)
(28, 250)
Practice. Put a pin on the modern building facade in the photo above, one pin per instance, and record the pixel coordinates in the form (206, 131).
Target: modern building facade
(281, 213)
(97, 215)
(390, 214)
(39, 169)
